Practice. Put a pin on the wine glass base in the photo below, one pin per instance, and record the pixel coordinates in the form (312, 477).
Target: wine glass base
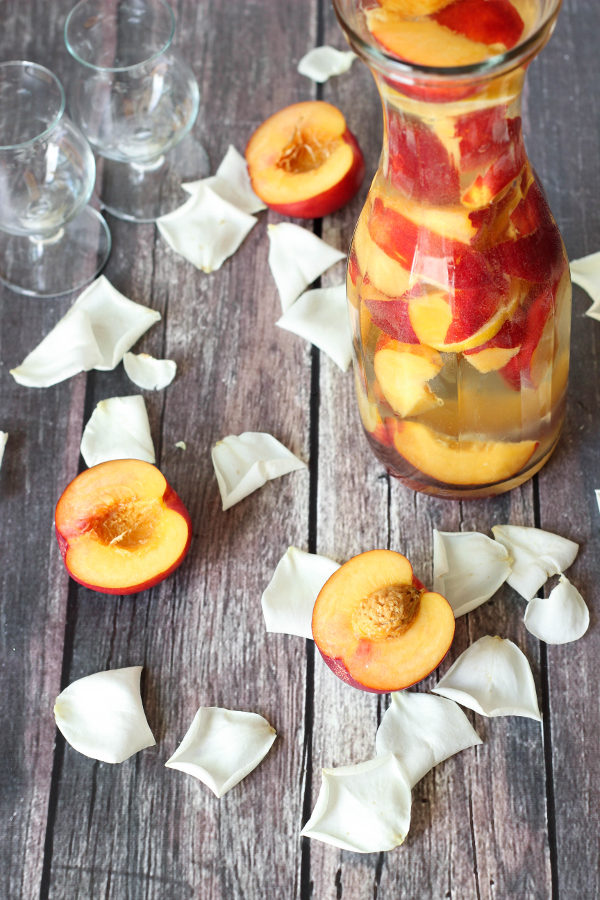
(139, 193)
(59, 264)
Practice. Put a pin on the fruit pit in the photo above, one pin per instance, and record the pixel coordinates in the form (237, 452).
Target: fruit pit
(128, 525)
(387, 612)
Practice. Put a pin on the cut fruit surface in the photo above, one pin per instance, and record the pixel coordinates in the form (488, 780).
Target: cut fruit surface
(423, 41)
(303, 161)
(382, 271)
(120, 527)
(375, 625)
(402, 372)
(466, 462)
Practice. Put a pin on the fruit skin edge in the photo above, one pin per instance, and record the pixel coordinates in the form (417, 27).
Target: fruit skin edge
(171, 500)
(333, 198)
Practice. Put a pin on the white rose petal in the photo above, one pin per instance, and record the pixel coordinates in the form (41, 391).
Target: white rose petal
(245, 462)
(422, 730)
(296, 258)
(364, 808)
(586, 273)
(321, 317)
(149, 373)
(222, 746)
(597, 493)
(231, 182)
(535, 555)
(494, 678)
(468, 568)
(95, 333)
(560, 617)
(321, 63)
(3, 440)
(181, 445)
(289, 598)
(102, 715)
(118, 429)
(206, 230)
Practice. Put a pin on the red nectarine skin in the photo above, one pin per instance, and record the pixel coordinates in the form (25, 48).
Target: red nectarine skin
(485, 21)
(121, 528)
(419, 164)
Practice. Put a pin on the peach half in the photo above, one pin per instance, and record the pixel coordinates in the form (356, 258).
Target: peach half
(303, 161)
(120, 527)
(376, 626)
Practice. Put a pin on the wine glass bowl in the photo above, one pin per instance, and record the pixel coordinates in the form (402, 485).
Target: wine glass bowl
(51, 242)
(135, 100)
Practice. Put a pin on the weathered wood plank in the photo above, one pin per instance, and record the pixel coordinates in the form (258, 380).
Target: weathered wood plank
(512, 818)
(44, 428)
(564, 127)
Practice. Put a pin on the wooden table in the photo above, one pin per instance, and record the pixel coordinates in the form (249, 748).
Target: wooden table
(516, 817)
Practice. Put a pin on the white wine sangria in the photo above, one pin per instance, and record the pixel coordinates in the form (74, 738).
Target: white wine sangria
(458, 281)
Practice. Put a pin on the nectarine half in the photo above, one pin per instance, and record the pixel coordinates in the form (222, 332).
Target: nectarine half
(303, 161)
(121, 528)
(375, 625)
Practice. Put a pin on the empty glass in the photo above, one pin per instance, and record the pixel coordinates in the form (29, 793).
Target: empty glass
(135, 100)
(51, 242)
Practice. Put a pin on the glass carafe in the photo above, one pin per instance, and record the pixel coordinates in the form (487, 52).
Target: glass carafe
(458, 281)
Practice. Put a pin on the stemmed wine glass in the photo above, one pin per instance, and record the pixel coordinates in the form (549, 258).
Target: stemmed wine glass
(51, 241)
(135, 100)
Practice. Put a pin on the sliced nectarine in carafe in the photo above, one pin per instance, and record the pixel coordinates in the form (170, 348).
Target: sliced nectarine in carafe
(304, 161)
(460, 462)
(402, 372)
(120, 527)
(375, 625)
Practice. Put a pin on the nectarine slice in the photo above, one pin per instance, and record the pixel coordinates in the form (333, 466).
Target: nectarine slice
(376, 626)
(402, 372)
(120, 527)
(460, 462)
(303, 161)
(382, 271)
(423, 41)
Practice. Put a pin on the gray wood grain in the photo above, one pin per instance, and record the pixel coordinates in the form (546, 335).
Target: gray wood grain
(515, 817)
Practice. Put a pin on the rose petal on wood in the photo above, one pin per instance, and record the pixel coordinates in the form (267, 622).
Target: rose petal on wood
(468, 568)
(96, 332)
(222, 746)
(559, 618)
(149, 373)
(321, 63)
(245, 462)
(535, 555)
(3, 440)
(296, 258)
(206, 229)
(494, 678)
(422, 730)
(231, 182)
(289, 598)
(102, 716)
(365, 808)
(586, 273)
(320, 316)
(118, 429)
